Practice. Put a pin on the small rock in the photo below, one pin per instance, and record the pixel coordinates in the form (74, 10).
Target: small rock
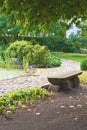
(71, 106)
(79, 105)
(8, 112)
(76, 118)
(29, 110)
(70, 97)
(62, 106)
(52, 101)
(37, 114)
(23, 106)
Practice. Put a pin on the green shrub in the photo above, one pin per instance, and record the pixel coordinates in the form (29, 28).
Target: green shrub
(41, 55)
(68, 49)
(17, 49)
(73, 44)
(28, 53)
(84, 64)
(54, 61)
(54, 43)
(83, 42)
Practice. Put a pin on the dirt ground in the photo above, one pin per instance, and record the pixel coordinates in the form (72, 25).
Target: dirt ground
(65, 110)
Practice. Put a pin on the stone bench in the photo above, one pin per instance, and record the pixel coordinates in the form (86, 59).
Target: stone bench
(68, 80)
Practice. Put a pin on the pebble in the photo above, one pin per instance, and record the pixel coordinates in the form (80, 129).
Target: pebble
(62, 106)
(76, 118)
(79, 105)
(29, 110)
(70, 97)
(52, 101)
(71, 106)
(38, 78)
(37, 114)
(23, 106)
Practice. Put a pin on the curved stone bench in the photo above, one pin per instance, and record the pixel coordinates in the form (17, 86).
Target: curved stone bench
(68, 80)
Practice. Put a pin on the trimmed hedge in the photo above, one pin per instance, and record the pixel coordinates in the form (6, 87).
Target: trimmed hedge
(56, 44)
(53, 43)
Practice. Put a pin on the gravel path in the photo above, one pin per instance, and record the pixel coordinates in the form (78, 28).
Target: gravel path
(37, 77)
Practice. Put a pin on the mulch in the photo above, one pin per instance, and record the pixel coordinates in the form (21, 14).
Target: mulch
(65, 110)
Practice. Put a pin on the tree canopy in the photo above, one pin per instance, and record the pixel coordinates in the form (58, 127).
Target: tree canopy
(44, 12)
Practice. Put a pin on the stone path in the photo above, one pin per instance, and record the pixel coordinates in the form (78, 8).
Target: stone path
(37, 77)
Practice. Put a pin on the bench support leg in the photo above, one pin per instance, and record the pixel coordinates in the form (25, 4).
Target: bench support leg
(75, 81)
(66, 84)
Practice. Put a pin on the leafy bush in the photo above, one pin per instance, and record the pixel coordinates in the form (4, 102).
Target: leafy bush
(73, 43)
(28, 53)
(68, 48)
(84, 64)
(83, 42)
(54, 43)
(41, 55)
(54, 61)
(23, 96)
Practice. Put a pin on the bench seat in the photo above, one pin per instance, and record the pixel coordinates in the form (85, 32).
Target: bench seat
(70, 80)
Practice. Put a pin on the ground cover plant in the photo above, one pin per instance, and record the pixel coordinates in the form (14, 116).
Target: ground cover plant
(19, 97)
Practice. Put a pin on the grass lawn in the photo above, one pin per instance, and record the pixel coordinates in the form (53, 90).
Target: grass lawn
(71, 56)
